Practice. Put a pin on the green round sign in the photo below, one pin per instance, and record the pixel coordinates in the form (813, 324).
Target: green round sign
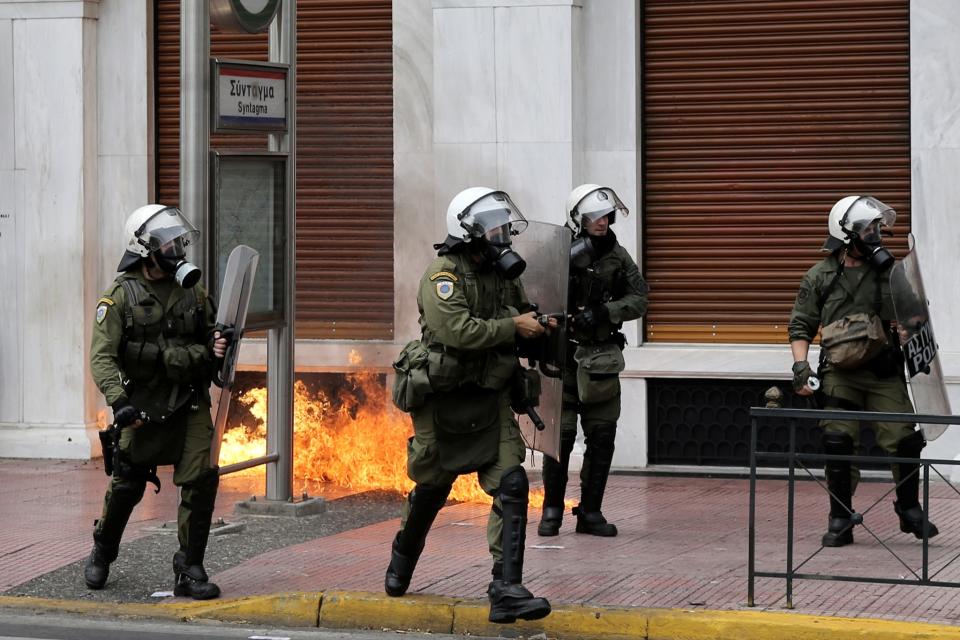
(251, 16)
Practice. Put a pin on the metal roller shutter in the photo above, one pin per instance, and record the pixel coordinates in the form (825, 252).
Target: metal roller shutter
(344, 185)
(757, 116)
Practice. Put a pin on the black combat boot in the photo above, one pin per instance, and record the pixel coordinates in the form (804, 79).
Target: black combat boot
(596, 470)
(425, 502)
(197, 501)
(191, 578)
(842, 518)
(97, 568)
(907, 505)
(509, 599)
(554, 487)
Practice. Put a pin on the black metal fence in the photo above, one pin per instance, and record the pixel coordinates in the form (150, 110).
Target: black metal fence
(802, 460)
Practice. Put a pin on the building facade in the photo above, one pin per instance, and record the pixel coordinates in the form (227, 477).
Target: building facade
(727, 129)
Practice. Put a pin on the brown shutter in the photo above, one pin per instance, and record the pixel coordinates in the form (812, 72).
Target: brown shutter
(344, 185)
(758, 115)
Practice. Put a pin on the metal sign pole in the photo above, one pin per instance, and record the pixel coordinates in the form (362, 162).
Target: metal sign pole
(195, 119)
(280, 340)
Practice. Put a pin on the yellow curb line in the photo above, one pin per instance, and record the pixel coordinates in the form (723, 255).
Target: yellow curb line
(436, 614)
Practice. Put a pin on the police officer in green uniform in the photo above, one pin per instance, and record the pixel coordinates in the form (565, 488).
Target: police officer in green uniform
(153, 355)
(846, 297)
(472, 309)
(606, 290)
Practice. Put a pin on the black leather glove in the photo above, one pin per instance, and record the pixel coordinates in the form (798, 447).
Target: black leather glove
(801, 373)
(591, 317)
(125, 414)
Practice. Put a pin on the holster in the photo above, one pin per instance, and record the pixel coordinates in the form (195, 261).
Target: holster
(109, 450)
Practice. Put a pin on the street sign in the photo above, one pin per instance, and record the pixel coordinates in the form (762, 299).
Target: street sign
(249, 96)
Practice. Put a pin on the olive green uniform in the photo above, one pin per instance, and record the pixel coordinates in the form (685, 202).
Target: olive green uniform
(466, 322)
(877, 386)
(591, 382)
(151, 347)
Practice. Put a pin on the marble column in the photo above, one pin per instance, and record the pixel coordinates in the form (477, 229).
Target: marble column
(935, 164)
(65, 152)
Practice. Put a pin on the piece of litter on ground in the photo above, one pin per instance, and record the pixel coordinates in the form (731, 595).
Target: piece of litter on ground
(461, 524)
(269, 638)
(162, 594)
(547, 546)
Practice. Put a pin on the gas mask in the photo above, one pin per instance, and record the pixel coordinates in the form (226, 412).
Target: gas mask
(582, 252)
(504, 259)
(874, 253)
(173, 261)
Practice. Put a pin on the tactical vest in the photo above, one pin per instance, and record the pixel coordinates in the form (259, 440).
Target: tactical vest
(147, 332)
(596, 284)
(487, 299)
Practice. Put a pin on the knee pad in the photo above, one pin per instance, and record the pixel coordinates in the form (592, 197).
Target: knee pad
(837, 444)
(429, 495)
(202, 492)
(128, 490)
(603, 436)
(513, 485)
(911, 446)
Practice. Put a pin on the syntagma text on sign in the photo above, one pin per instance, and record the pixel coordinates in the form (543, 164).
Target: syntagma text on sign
(250, 96)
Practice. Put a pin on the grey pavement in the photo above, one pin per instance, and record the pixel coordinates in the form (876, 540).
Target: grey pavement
(682, 546)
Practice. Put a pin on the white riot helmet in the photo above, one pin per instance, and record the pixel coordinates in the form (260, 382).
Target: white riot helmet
(480, 211)
(851, 215)
(164, 232)
(592, 201)
(489, 217)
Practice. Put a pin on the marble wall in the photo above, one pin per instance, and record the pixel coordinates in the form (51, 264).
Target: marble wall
(935, 161)
(65, 152)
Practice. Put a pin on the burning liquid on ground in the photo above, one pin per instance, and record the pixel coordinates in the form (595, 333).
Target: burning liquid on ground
(352, 437)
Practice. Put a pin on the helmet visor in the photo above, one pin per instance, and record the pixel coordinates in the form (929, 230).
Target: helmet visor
(864, 212)
(167, 232)
(494, 216)
(599, 203)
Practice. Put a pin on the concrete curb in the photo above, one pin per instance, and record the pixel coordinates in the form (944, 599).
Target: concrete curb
(436, 614)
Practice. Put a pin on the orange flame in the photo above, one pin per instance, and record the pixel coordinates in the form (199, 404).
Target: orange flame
(359, 442)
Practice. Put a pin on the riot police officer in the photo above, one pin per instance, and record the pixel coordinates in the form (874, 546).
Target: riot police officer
(472, 309)
(846, 297)
(152, 356)
(605, 290)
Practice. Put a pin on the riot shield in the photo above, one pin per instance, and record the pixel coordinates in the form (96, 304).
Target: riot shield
(917, 339)
(546, 249)
(231, 320)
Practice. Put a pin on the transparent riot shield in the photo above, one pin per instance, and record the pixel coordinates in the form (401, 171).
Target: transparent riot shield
(546, 249)
(917, 339)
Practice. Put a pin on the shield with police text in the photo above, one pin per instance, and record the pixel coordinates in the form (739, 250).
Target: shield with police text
(546, 249)
(231, 320)
(919, 345)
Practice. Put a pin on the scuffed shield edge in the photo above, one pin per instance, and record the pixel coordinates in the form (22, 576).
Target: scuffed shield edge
(919, 344)
(546, 249)
(231, 313)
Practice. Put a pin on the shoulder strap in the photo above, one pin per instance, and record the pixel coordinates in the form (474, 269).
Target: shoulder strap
(833, 282)
(133, 293)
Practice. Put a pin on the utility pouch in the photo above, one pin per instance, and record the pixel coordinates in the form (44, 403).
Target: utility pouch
(467, 426)
(853, 341)
(499, 368)
(444, 370)
(598, 368)
(411, 385)
(141, 360)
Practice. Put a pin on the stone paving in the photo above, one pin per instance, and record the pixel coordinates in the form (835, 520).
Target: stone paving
(682, 544)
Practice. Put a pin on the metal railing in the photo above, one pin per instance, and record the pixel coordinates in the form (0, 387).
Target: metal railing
(795, 459)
